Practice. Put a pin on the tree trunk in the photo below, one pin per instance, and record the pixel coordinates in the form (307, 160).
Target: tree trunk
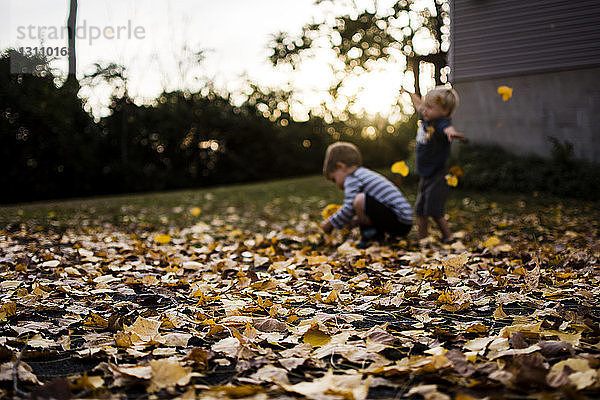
(414, 63)
(71, 29)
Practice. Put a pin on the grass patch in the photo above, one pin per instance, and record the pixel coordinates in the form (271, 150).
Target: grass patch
(263, 206)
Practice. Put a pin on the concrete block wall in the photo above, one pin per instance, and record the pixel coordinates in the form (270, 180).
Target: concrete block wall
(562, 104)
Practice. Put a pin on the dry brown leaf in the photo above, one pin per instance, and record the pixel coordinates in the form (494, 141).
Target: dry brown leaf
(270, 373)
(88, 382)
(291, 363)
(454, 266)
(146, 329)
(270, 325)
(499, 313)
(174, 339)
(331, 386)
(230, 346)
(137, 371)
(25, 373)
(429, 392)
(168, 373)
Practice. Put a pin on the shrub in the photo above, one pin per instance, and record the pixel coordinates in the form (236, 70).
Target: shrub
(493, 168)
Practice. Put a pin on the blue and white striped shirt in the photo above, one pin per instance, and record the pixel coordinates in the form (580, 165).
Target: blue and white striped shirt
(365, 181)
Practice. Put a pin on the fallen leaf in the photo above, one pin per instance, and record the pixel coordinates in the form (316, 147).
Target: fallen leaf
(88, 382)
(330, 386)
(25, 373)
(146, 329)
(492, 242)
(499, 313)
(162, 239)
(270, 373)
(167, 373)
(230, 346)
(174, 339)
(585, 379)
(137, 371)
(315, 337)
(429, 392)
(270, 325)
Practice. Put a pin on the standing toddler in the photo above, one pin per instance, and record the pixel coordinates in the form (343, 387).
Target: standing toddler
(434, 135)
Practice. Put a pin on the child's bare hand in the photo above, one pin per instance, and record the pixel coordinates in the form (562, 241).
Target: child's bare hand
(326, 226)
(453, 134)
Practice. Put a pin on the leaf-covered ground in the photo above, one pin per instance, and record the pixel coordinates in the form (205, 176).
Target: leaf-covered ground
(234, 293)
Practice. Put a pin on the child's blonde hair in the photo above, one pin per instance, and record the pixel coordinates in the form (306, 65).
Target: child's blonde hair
(341, 152)
(446, 97)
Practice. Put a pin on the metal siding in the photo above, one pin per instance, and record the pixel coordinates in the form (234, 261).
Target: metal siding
(493, 38)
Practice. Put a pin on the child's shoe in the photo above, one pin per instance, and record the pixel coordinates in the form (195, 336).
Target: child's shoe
(368, 234)
(447, 240)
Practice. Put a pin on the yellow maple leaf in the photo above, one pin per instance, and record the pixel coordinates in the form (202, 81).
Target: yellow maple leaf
(329, 210)
(452, 180)
(162, 239)
(400, 167)
(195, 211)
(505, 92)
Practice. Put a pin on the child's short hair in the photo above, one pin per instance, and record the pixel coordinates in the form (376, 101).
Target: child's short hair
(446, 97)
(341, 152)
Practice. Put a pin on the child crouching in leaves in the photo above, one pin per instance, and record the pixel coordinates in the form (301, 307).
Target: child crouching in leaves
(371, 201)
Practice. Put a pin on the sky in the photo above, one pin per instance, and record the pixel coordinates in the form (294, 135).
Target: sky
(154, 38)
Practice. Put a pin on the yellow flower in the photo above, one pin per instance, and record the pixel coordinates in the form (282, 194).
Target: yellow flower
(329, 210)
(400, 167)
(506, 92)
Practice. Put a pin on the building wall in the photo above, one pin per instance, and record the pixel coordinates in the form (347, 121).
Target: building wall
(563, 104)
(548, 51)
